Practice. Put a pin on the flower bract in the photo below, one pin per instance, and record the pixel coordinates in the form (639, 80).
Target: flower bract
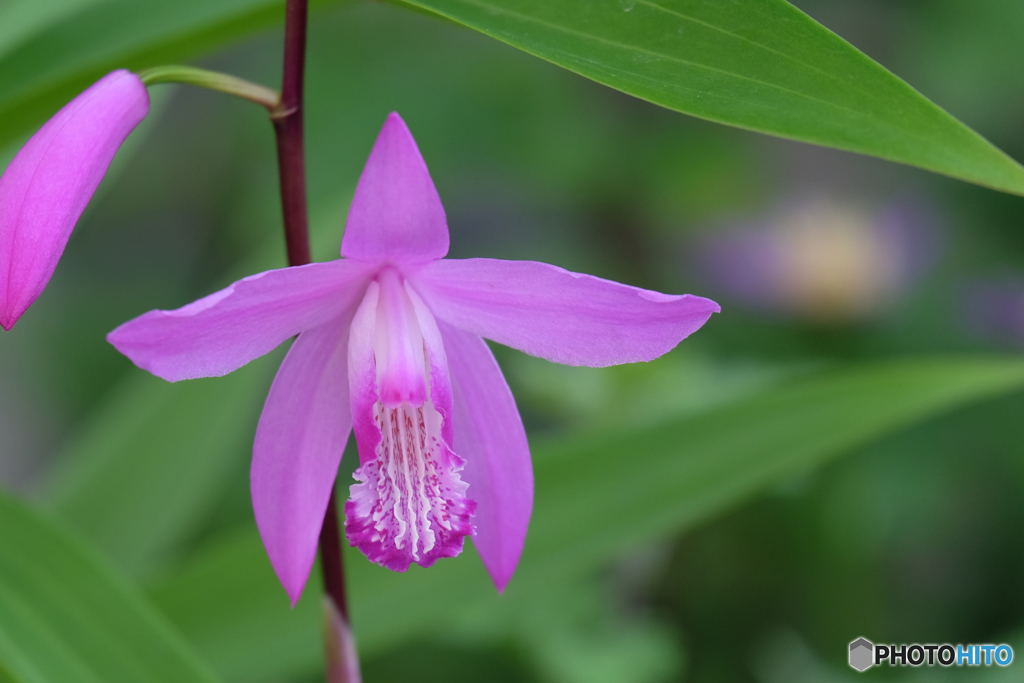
(390, 346)
(47, 186)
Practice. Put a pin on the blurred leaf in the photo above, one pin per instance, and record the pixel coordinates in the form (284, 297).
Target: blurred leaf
(683, 382)
(762, 65)
(580, 633)
(966, 54)
(147, 470)
(686, 470)
(152, 464)
(232, 608)
(60, 54)
(21, 18)
(598, 496)
(65, 617)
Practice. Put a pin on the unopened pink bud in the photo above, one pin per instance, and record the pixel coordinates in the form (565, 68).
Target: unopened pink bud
(51, 180)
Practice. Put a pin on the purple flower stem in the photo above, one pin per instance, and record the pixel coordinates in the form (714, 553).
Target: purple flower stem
(287, 119)
(330, 558)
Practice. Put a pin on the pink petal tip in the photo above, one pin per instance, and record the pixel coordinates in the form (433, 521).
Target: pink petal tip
(396, 213)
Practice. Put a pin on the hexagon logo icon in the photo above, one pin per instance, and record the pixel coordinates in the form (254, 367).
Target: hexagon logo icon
(862, 654)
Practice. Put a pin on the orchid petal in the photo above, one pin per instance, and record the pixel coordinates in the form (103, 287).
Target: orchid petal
(227, 329)
(47, 186)
(299, 442)
(564, 317)
(362, 375)
(489, 434)
(396, 214)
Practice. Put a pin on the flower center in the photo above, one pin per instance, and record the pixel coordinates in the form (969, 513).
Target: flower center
(398, 346)
(410, 503)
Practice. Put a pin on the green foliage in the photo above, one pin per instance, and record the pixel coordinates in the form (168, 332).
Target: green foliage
(57, 54)
(598, 496)
(762, 65)
(66, 618)
(153, 465)
(757, 64)
(684, 471)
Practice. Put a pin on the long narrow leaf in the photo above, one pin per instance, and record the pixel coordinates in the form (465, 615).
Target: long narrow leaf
(762, 65)
(65, 618)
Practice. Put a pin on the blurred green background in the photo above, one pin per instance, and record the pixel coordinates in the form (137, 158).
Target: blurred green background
(905, 531)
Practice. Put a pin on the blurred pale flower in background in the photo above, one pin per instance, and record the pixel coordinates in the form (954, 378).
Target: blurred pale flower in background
(822, 260)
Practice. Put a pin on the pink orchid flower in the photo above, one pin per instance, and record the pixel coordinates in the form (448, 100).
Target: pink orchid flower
(390, 345)
(47, 186)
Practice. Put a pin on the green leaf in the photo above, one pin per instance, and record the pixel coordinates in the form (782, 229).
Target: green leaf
(674, 476)
(762, 65)
(66, 618)
(153, 463)
(232, 609)
(598, 496)
(21, 18)
(56, 55)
